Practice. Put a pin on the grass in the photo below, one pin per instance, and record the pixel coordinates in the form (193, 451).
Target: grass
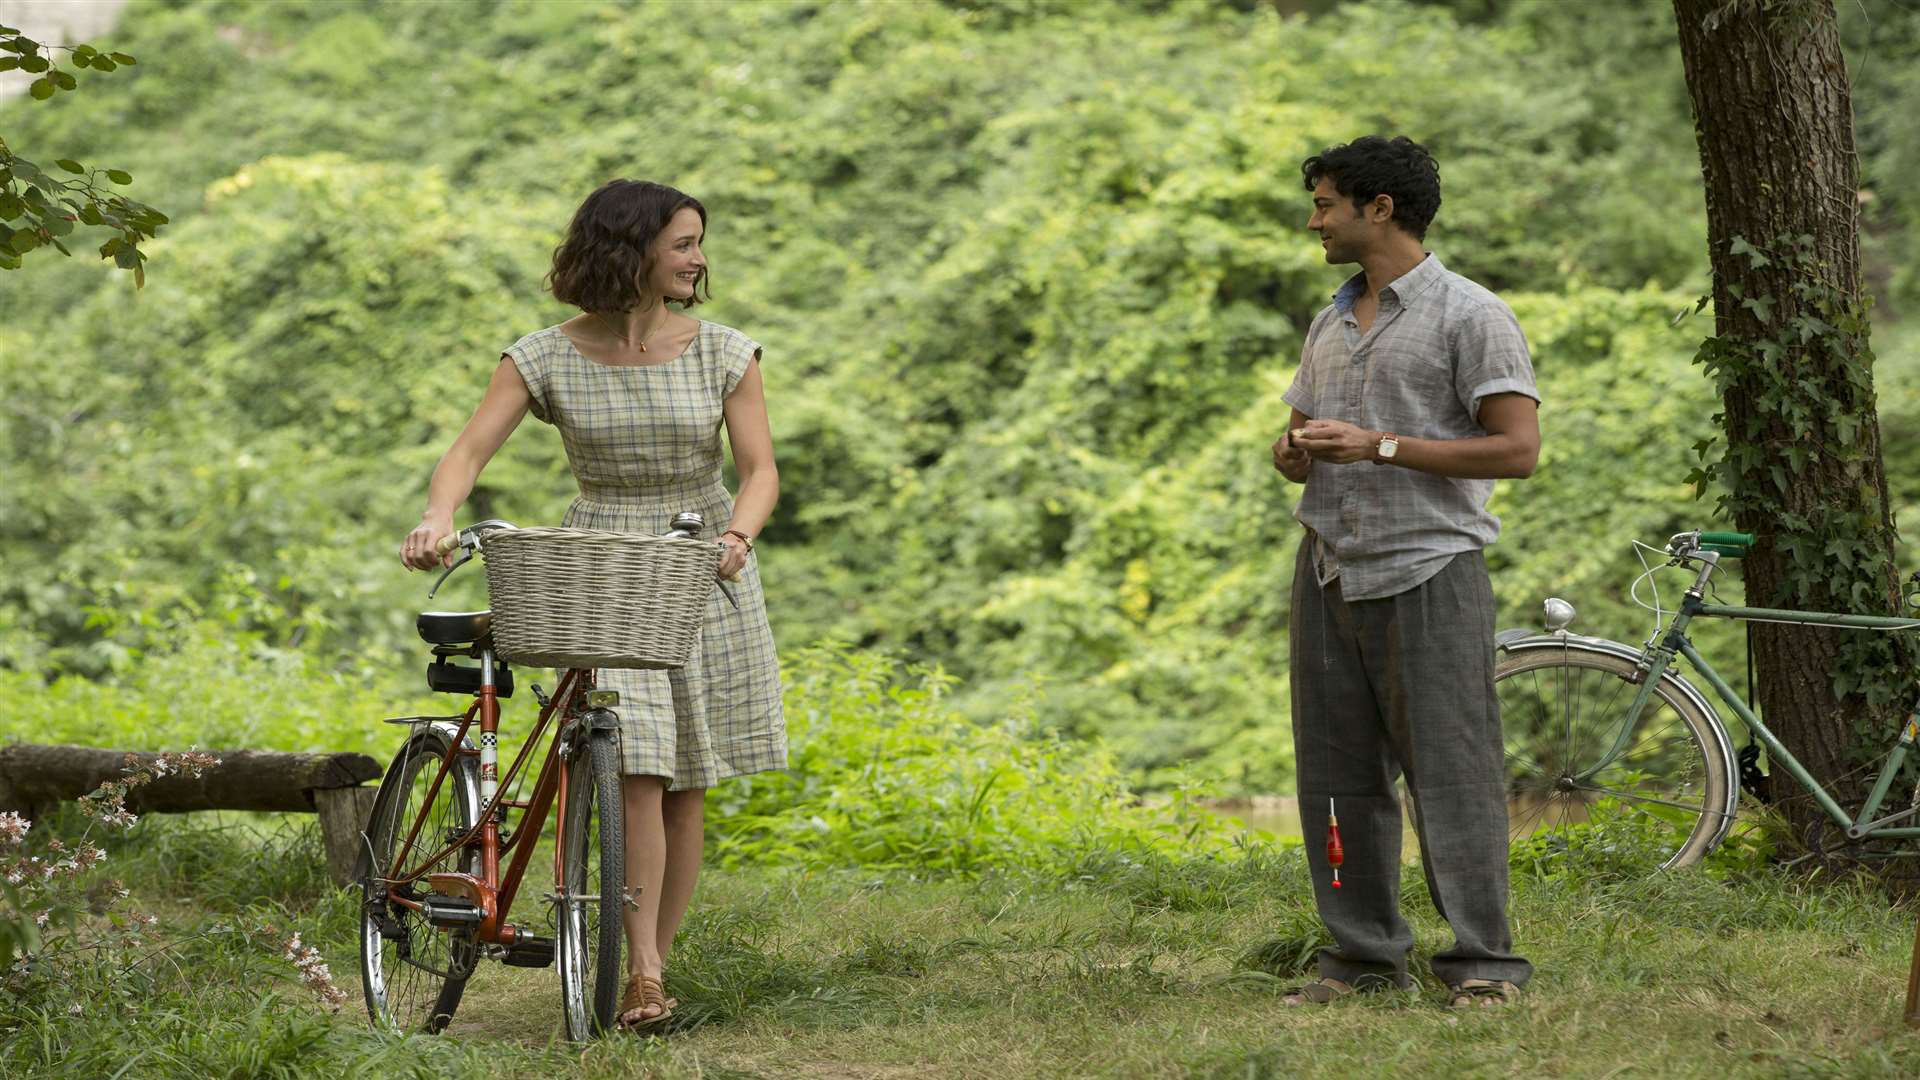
(1115, 966)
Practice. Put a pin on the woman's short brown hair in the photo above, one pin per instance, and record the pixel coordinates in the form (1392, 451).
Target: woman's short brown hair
(609, 246)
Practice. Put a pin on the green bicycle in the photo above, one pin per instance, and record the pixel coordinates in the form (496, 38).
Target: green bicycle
(1592, 722)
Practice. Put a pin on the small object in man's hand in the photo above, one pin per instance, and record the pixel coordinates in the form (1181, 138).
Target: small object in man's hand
(1296, 433)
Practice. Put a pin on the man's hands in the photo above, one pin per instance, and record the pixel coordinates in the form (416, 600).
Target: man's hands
(1332, 441)
(1293, 462)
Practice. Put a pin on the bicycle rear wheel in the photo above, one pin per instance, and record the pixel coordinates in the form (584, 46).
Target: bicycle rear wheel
(1563, 709)
(591, 931)
(412, 972)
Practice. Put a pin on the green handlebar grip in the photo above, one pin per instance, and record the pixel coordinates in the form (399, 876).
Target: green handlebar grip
(1734, 545)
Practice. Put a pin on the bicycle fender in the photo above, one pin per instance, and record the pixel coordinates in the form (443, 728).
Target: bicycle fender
(1522, 640)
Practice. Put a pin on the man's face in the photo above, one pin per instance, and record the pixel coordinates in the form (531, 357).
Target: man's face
(1344, 231)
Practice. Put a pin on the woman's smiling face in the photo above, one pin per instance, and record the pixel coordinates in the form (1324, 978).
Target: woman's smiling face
(678, 264)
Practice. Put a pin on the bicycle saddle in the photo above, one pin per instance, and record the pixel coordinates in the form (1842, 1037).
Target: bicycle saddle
(453, 627)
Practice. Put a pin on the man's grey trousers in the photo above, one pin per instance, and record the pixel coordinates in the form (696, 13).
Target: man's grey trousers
(1403, 684)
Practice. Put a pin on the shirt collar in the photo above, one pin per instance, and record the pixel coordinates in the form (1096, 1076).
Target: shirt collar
(1405, 288)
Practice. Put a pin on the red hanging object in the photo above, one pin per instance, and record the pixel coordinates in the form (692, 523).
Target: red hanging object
(1335, 853)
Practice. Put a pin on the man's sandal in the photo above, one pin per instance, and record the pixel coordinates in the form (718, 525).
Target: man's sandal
(644, 991)
(1482, 993)
(1321, 991)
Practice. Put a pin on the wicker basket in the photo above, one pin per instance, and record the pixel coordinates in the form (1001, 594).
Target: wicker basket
(569, 598)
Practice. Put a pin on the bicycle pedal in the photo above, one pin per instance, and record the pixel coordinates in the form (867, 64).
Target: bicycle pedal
(451, 912)
(529, 952)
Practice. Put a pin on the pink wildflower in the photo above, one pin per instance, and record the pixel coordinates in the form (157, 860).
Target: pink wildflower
(314, 973)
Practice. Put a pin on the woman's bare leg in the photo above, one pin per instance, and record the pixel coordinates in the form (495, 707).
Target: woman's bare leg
(646, 861)
(684, 818)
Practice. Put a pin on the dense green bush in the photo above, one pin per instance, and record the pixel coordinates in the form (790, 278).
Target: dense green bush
(883, 773)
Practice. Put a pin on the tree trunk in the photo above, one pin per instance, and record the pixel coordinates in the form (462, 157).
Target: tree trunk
(40, 776)
(1774, 120)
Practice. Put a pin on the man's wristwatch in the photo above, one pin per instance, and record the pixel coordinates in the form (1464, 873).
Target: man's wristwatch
(1384, 450)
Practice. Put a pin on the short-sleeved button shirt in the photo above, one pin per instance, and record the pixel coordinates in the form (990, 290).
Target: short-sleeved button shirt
(1438, 347)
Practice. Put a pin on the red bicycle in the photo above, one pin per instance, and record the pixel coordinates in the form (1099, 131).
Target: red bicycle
(435, 899)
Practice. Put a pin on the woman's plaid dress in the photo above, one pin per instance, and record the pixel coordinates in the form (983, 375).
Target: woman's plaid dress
(644, 444)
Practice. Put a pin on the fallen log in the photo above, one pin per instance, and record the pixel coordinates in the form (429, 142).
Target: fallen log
(34, 778)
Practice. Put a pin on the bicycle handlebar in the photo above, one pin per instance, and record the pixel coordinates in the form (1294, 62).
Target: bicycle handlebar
(1736, 545)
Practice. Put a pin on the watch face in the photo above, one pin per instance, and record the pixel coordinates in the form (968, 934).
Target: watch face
(1389, 446)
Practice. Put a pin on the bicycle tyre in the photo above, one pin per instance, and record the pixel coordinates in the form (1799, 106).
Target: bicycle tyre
(591, 932)
(1556, 702)
(412, 973)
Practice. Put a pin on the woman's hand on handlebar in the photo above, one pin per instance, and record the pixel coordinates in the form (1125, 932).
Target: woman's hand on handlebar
(735, 557)
(420, 550)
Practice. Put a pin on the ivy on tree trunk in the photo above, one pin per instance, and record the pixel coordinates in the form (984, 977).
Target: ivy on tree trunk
(1802, 467)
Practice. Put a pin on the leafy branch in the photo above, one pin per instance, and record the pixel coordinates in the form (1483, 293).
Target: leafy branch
(37, 210)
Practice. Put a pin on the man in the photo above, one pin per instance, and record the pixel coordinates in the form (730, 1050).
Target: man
(1414, 394)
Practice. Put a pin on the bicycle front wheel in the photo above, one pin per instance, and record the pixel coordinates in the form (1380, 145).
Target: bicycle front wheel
(1574, 771)
(591, 931)
(413, 972)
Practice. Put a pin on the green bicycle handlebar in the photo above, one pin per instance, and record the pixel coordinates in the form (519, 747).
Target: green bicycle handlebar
(1733, 544)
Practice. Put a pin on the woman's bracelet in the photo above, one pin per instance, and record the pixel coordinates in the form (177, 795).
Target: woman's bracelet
(744, 538)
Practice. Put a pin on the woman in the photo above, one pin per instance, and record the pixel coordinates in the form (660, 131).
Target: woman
(640, 392)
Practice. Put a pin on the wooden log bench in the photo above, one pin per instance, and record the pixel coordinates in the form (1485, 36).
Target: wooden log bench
(34, 778)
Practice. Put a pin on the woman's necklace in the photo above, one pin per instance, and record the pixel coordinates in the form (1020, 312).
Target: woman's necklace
(642, 343)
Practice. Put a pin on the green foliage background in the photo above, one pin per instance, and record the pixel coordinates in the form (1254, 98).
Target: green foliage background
(1031, 278)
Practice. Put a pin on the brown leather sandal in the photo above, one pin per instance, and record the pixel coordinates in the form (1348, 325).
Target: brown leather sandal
(1321, 991)
(643, 991)
(1482, 993)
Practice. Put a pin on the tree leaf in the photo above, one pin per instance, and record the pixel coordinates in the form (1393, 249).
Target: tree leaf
(34, 63)
(101, 63)
(8, 63)
(120, 176)
(66, 80)
(71, 165)
(42, 89)
(121, 58)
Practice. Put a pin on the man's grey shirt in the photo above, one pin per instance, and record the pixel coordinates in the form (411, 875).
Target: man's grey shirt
(1438, 347)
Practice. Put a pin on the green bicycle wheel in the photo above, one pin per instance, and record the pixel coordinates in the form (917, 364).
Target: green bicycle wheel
(1576, 777)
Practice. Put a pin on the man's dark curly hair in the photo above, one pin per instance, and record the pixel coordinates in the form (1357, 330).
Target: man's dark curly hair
(1373, 165)
(608, 251)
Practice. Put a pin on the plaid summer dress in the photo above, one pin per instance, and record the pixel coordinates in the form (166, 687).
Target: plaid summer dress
(644, 444)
